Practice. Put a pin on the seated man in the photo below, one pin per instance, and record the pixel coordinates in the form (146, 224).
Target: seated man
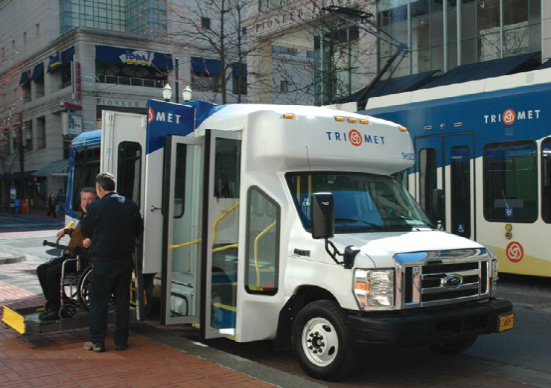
(49, 273)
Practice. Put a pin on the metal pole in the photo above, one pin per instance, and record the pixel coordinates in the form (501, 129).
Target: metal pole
(176, 81)
(22, 159)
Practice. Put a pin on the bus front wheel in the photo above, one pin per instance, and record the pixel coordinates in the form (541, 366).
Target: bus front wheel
(320, 341)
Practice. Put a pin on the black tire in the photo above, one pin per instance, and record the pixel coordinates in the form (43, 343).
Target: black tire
(321, 341)
(453, 347)
(67, 311)
(84, 288)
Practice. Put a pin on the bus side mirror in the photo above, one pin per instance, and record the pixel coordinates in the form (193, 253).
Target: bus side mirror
(322, 215)
(438, 205)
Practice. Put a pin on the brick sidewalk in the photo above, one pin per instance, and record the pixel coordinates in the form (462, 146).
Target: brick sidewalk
(59, 360)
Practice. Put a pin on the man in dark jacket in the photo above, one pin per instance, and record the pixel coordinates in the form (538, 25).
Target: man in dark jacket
(110, 227)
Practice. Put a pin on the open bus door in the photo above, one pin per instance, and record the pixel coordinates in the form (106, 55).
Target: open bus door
(123, 139)
(447, 163)
(200, 247)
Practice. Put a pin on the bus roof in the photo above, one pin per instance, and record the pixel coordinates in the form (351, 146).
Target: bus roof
(87, 138)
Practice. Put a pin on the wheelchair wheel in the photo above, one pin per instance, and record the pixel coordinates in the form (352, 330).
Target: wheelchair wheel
(84, 288)
(67, 311)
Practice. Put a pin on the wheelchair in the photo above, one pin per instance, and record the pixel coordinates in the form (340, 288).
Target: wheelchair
(74, 286)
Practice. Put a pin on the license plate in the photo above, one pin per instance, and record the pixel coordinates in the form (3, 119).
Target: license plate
(506, 322)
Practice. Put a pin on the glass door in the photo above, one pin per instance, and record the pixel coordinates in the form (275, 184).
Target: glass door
(221, 233)
(182, 244)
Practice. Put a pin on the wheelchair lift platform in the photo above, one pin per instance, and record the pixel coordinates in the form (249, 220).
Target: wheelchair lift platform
(25, 321)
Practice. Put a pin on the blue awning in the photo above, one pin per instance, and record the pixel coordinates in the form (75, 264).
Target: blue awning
(38, 72)
(481, 70)
(402, 84)
(205, 66)
(239, 70)
(25, 78)
(57, 168)
(67, 55)
(118, 55)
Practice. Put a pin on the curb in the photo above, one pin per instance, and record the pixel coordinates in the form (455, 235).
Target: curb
(237, 363)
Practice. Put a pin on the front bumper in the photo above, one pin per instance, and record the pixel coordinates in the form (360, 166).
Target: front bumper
(416, 327)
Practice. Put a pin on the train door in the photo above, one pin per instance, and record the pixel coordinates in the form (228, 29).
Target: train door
(447, 163)
(429, 172)
(200, 247)
(459, 184)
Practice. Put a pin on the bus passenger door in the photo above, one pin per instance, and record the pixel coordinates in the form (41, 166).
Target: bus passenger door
(122, 150)
(181, 237)
(459, 184)
(220, 233)
(428, 154)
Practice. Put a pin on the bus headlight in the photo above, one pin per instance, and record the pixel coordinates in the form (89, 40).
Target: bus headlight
(494, 272)
(374, 288)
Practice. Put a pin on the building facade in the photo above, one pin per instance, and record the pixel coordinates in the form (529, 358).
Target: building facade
(63, 62)
(356, 41)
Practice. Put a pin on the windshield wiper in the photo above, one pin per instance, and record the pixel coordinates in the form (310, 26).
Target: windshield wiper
(375, 226)
(408, 218)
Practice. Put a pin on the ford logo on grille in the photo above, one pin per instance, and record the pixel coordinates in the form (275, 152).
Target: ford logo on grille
(452, 281)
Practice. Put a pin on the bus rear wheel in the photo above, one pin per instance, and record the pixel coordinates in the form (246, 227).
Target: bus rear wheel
(320, 341)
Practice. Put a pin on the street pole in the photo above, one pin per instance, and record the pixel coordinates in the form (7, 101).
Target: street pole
(176, 81)
(22, 159)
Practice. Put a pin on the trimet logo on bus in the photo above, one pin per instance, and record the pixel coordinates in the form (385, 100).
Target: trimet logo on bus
(509, 116)
(355, 137)
(165, 117)
(514, 252)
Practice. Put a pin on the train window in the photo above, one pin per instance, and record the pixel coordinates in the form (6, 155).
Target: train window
(129, 170)
(510, 181)
(461, 191)
(427, 180)
(546, 180)
(86, 169)
(263, 215)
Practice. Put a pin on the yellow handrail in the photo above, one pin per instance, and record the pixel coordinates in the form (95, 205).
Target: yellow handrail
(215, 224)
(266, 230)
(184, 244)
(224, 247)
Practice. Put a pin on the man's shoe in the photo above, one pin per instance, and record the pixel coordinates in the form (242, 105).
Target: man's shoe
(121, 346)
(49, 315)
(97, 347)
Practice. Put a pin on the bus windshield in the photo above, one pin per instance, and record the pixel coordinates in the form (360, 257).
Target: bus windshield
(363, 202)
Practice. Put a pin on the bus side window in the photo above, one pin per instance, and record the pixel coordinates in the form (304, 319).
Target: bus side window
(129, 169)
(510, 181)
(262, 253)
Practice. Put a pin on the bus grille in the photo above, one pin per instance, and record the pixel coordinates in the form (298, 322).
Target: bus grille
(446, 277)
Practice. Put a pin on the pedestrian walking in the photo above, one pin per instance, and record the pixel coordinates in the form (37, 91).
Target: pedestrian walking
(52, 205)
(60, 199)
(110, 227)
(49, 273)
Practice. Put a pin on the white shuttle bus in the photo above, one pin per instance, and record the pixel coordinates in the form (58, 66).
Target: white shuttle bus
(286, 223)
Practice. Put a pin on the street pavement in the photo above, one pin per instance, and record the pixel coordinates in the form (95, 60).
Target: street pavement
(158, 356)
(168, 356)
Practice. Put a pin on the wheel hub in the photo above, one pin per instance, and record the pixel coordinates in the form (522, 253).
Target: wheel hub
(320, 341)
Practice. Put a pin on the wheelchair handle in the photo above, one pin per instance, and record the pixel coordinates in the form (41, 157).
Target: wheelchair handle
(73, 250)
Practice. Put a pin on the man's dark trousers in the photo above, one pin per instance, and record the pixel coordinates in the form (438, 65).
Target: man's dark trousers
(110, 277)
(49, 276)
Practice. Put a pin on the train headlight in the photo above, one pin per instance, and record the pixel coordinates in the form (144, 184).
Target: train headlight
(374, 288)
